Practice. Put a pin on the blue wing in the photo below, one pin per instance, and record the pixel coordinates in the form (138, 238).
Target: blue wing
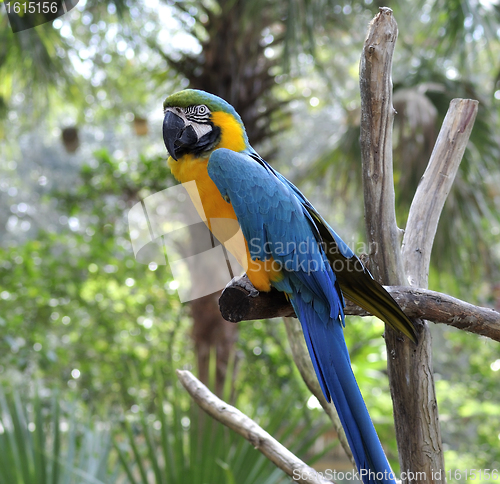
(275, 223)
(354, 279)
(277, 220)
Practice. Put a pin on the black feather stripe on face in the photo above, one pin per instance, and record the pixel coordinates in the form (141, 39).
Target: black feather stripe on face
(198, 113)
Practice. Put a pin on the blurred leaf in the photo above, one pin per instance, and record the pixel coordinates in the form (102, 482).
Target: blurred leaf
(184, 444)
(40, 444)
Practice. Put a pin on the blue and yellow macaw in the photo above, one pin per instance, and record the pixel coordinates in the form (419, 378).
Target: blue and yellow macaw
(288, 246)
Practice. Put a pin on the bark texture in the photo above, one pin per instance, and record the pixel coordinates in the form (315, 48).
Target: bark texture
(409, 367)
(377, 116)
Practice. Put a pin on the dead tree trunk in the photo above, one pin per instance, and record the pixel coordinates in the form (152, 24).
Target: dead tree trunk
(213, 336)
(409, 367)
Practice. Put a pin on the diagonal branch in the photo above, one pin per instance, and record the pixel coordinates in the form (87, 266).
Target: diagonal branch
(434, 187)
(236, 420)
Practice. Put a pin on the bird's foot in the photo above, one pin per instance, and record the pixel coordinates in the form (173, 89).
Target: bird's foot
(244, 282)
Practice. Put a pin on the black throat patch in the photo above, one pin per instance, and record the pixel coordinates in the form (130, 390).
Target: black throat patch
(204, 145)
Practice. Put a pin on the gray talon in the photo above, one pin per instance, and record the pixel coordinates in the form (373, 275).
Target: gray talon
(244, 282)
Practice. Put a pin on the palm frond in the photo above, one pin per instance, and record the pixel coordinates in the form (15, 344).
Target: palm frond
(41, 444)
(178, 443)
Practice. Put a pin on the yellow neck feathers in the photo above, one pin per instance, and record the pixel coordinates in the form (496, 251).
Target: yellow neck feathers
(191, 168)
(232, 136)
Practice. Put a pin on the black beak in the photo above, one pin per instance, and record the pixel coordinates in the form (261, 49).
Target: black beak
(173, 127)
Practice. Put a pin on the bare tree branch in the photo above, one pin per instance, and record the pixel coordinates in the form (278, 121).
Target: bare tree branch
(377, 116)
(433, 189)
(442, 308)
(236, 304)
(409, 367)
(236, 420)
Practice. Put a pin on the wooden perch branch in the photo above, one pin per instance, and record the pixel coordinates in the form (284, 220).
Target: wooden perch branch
(237, 305)
(236, 420)
(442, 308)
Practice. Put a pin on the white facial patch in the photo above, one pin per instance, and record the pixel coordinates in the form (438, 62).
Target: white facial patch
(200, 129)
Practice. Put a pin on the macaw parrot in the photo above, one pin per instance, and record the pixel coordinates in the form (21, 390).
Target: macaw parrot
(288, 246)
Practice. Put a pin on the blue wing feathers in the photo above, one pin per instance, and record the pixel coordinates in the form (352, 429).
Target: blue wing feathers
(276, 221)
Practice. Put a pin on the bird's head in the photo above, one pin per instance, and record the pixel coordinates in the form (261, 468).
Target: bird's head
(197, 123)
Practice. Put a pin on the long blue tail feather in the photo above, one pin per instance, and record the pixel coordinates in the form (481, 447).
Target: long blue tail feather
(330, 358)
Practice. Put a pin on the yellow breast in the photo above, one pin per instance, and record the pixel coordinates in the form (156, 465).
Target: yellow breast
(189, 168)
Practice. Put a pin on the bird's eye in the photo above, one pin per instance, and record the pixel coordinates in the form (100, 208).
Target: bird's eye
(202, 109)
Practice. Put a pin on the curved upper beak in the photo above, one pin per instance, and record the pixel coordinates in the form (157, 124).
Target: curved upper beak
(173, 127)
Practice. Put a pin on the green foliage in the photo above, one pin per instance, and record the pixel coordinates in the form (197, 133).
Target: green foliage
(467, 386)
(266, 355)
(33, 51)
(163, 438)
(76, 298)
(44, 442)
